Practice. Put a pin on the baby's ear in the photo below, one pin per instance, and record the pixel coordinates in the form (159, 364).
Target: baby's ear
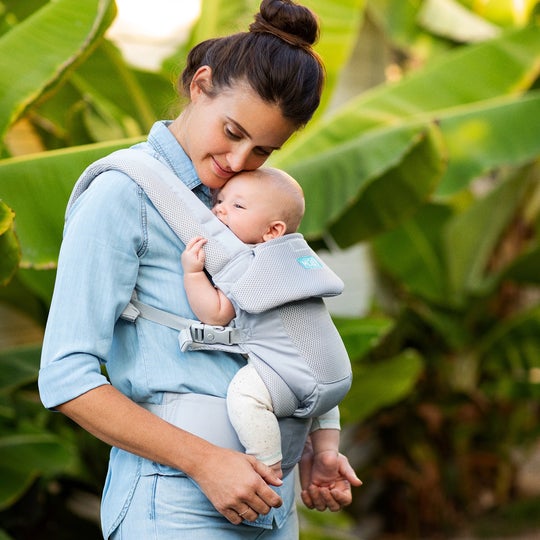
(275, 229)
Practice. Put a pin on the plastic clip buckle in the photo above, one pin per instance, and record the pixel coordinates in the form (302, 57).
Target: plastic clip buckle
(206, 333)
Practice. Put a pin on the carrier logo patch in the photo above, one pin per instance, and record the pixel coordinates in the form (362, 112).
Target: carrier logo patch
(309, 262)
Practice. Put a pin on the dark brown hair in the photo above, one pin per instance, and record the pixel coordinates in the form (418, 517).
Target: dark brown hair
(275, 57)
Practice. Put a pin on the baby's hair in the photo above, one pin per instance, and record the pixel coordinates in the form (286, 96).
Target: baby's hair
(276, 58)
(289, 195)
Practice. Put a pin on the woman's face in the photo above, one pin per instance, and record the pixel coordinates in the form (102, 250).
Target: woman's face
(232, 132)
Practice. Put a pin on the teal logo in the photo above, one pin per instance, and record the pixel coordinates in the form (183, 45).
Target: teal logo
(309, 263)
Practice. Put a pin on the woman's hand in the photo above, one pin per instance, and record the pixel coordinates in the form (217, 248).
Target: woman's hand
(322, 497)
(237, 485)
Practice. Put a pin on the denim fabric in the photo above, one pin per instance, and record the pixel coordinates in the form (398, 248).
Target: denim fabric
(114, 242)
(166, 507)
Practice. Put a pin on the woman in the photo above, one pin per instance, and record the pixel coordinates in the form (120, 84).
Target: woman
(248, 93)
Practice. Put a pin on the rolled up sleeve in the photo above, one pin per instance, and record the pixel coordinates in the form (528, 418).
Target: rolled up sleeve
(97, 271)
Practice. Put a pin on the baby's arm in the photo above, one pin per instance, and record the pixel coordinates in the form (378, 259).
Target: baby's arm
(325, 435)
(209, 304)
(325, 444)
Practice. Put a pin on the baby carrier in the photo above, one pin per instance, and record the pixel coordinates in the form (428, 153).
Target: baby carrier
(276, 288)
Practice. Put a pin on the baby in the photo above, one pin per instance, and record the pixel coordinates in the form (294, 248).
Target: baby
(257, 206)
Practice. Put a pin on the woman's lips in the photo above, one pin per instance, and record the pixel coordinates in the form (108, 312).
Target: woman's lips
(220, 171)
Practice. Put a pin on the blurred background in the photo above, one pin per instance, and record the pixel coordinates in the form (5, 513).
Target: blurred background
(421, 174)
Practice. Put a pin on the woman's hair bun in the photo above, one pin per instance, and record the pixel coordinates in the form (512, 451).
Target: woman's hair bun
(291, 22)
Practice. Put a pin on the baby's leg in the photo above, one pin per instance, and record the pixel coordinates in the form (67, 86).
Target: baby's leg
(251, 414)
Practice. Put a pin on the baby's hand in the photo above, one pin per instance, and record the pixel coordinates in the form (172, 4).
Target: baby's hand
(193, 256)
(325, 469)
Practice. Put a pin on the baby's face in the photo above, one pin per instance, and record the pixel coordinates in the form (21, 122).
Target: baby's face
(245, 208)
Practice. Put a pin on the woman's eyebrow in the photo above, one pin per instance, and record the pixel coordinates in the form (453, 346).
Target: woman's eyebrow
(240, 128)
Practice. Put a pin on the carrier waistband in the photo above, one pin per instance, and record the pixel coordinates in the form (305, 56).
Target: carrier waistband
(206, 416)
(200, 414)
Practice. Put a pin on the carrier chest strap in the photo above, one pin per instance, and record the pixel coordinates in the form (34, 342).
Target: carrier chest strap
(191, 331)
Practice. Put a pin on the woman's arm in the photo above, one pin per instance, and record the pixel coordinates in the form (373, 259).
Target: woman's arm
(230, 480)
(209, 304)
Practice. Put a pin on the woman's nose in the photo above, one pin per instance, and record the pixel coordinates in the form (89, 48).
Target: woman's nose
(238, 158)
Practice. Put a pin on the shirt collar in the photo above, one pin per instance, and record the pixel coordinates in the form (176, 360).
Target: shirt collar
(165, 143)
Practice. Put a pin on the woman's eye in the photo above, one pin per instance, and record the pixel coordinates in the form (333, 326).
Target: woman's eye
(231, 134)
(262, 151)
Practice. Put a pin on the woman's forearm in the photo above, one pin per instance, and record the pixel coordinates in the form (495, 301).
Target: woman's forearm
(115, 419)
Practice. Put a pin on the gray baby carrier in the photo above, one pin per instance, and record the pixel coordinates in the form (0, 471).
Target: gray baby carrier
(276, 287)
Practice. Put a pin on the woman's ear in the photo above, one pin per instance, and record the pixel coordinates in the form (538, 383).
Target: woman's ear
(201, 82)
(275, 230)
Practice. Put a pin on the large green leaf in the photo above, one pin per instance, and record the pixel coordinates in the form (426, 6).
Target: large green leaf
(37, 188)
(380, 384)
(447, 83)
(335, 159)
(61, 32)
(17, 367)
(483, 136)
(441, 255)
(131, 104)
(25, 456)
(412, 254)
(470, 237)
(85, 110)
(366, 185)
(361, 335)
(9, 246)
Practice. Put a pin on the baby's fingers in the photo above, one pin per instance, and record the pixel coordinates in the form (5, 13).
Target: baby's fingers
(196, 243)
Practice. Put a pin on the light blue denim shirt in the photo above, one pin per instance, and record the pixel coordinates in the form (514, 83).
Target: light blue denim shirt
(116, 242)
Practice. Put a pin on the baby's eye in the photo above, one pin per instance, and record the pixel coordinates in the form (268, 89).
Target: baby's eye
(238, 205)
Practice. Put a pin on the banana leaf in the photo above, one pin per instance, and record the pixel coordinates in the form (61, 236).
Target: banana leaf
(9, 246)
(380, 384)
(37, 188)
(428, 92)
(470, 237)
(25, 456)
(62, 32)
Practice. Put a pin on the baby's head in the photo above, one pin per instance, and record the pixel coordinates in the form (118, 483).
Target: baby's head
(260, 205)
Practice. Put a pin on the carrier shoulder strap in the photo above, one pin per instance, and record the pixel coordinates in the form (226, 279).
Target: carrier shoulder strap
(185, 214)
(256, 278)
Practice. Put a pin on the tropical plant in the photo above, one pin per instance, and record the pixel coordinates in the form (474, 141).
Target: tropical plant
(435, 169)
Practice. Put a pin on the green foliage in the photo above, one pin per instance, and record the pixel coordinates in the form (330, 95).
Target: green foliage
(27, 75)
(9, 246)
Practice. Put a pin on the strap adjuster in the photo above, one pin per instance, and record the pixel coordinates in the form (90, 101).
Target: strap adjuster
(199, 333)
(208, 334)
(130, 313)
